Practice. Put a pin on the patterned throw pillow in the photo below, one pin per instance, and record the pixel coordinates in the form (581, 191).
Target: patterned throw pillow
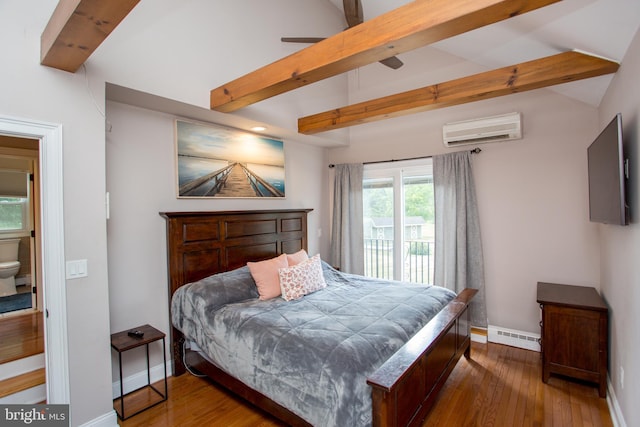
(301, 279)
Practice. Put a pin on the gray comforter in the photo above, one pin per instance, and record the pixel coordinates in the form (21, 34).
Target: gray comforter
(311, 355)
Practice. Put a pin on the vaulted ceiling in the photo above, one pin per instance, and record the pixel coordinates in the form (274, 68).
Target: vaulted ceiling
(600, 27)
(501, 35)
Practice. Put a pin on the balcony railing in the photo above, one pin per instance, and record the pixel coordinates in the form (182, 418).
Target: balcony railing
(417, 256)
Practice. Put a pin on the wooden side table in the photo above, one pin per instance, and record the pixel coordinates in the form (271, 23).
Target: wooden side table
(121, 342)
(574, 333)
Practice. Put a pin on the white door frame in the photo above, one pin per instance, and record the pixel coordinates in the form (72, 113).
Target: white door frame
(52, 250)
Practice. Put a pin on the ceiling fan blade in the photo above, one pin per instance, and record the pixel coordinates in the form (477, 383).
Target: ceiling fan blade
(302, 39)
(353, 12)
(354, 16)
(392, 62)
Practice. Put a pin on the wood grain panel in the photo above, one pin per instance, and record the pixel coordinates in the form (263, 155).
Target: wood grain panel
(292, 246)
(244, 228)
(238, 256)
(76, 29)
(198, 231)
(580, 349)
(408, 27)
(198, 264)
(410, 398)
(291, 224)
(464, 330)
(438, 359)
(561, 68)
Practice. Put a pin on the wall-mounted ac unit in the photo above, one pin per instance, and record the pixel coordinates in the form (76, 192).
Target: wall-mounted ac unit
(504, 127)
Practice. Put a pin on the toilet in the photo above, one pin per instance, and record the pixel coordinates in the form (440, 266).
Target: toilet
(9, 266)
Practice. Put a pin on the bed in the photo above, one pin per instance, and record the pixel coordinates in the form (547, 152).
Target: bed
(210, 250)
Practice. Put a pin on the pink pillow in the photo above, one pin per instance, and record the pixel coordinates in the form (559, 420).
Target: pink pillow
(297, 258)
(302, 279)
(265, 274)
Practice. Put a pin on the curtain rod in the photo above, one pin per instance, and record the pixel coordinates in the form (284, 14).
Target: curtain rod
(474, 151)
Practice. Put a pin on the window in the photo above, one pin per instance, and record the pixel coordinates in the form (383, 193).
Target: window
(14, 202)
(399, 221)
(13, 214)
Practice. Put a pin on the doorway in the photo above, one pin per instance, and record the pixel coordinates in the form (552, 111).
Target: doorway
(19, 226)
(51, 249)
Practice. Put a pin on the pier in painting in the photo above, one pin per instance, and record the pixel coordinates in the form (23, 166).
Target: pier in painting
(234, 180)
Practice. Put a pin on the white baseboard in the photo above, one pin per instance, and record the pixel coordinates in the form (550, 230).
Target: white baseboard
(479, 337)
(614, 408)
(139, 379)
(514, 338)
(110, 419)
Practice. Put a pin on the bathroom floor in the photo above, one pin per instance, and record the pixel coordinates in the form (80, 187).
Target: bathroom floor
(14, 303)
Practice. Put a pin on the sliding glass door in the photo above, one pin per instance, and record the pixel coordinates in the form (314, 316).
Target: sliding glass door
(398, 221)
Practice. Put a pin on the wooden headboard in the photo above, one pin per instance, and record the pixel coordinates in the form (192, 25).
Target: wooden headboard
(200, 244)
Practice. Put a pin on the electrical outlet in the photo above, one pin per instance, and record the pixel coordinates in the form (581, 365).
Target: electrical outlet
(621, 377)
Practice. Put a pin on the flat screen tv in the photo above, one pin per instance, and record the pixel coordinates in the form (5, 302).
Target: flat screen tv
(607, 174)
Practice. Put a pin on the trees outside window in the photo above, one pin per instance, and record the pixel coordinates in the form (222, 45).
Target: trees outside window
(399, 221)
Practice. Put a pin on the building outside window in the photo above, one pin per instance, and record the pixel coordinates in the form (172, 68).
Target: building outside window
(399, 221)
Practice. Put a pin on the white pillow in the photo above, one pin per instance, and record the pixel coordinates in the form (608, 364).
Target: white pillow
(301, 279)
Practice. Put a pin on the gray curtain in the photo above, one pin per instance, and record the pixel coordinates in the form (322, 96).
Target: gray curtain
(458, 254)
(347, 237)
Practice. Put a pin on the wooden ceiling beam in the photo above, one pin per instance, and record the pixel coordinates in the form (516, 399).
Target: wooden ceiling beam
(561, 68)
(76, 29)
(408, 27)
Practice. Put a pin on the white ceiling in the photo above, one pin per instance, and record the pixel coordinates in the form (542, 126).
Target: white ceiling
(600, 27)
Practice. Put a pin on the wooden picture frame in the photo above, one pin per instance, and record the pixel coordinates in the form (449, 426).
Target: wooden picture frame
(222, 162)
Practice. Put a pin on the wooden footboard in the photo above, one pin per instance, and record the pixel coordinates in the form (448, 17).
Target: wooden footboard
(405, 387)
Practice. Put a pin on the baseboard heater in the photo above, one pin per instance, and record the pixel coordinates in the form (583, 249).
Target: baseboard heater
(514, 338)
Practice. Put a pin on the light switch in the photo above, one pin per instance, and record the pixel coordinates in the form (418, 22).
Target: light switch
(76, 269)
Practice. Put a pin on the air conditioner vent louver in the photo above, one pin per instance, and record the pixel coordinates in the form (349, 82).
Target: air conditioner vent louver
(505, 127)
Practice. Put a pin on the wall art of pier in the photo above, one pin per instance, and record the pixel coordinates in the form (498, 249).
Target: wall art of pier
(234, 180)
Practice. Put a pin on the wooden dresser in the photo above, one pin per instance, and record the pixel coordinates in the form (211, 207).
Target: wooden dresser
(574, 333)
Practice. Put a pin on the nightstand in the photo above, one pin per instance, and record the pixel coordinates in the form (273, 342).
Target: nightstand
(121, 342)
(574, 333)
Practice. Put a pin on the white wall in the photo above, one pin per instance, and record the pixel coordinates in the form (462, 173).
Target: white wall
(620, 246)
(182, 50)
(141, 183)
(532, 193)
(43, 94)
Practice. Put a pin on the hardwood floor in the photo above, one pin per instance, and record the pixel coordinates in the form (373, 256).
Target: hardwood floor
(21, 336)
(499, 386)
(197, 402)
(502, 386)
